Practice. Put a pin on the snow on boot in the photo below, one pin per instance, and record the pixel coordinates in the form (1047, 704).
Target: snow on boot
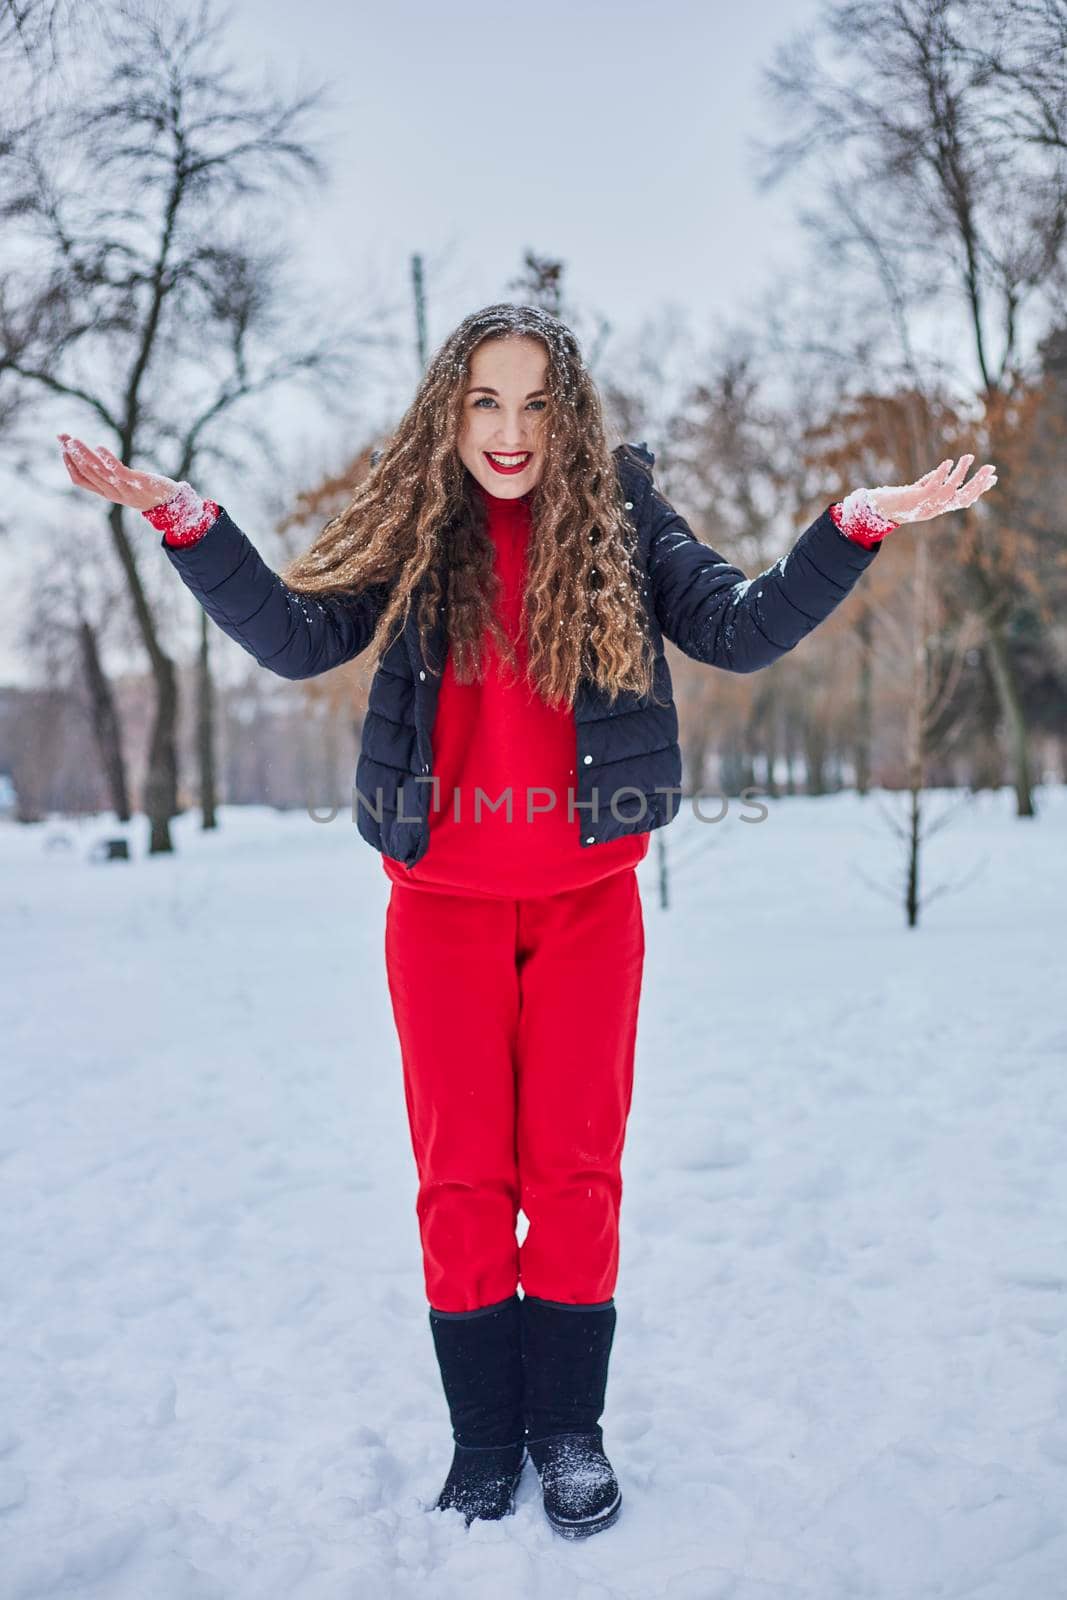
(480, 1357)
(482, 1481)
(580, 1490)
(565, 1351)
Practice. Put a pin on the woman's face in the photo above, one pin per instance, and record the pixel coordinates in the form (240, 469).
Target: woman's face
(503, 415)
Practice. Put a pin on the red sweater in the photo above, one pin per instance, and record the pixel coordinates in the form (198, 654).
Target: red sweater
(497, 736)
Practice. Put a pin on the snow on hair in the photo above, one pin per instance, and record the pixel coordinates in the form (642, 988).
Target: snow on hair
(416, 525)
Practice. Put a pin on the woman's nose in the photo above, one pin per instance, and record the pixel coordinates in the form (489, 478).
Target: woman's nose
(516, 437)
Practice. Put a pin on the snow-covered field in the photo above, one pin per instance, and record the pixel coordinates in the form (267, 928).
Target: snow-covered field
(840, 1366)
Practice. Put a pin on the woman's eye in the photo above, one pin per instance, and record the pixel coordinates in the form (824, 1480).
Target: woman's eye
(487, 399)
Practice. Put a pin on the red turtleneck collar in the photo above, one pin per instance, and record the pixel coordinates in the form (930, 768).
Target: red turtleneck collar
(496, 503)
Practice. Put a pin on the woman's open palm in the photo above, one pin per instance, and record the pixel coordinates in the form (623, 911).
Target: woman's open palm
(937, 491)
(101, 471)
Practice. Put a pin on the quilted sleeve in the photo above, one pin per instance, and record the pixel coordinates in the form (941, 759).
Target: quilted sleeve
(296, 636)
(717, 615)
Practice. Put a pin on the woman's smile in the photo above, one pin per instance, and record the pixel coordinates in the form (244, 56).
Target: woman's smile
(516, 462)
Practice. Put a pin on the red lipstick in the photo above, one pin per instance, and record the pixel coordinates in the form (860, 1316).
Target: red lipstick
(508, 472)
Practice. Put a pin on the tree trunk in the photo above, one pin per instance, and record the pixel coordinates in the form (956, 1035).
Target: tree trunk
(815, 756)
(913, 858)
(107, 729)
(1015, 723)
(161, 780)
(761, 735)
(1003, 671)
(987, 762)
(864, 702)
(205, 730)
(986, 756)
(916, 728)
(790, 753)
(696, 752)
(772, 744)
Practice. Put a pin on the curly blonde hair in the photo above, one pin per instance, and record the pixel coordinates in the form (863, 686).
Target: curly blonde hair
(418, 515)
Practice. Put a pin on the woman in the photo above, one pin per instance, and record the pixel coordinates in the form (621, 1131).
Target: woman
(514, 580)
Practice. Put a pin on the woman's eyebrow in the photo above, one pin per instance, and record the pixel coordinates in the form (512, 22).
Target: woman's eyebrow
(483, 388)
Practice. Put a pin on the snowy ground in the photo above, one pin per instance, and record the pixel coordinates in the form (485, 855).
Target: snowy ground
(840, 1367)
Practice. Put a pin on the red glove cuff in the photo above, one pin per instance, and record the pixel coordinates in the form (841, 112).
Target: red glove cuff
(858, 520)
(184, 518)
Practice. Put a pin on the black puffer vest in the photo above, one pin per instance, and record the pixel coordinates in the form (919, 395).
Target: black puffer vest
(627, 760)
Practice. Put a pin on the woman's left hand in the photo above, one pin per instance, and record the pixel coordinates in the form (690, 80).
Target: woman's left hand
(939, 490)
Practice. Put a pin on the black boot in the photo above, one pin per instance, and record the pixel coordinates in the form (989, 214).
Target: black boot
(565, 1351)
(480, 1357)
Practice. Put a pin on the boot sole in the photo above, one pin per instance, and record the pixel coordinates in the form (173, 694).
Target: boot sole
(583, 1528)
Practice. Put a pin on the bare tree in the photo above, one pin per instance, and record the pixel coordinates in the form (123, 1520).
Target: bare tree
(540, 283)
(917, 638)
(36, 30)
(645, 388)
(947, 130)
(70, 620)
(933, 660)
(155, 299)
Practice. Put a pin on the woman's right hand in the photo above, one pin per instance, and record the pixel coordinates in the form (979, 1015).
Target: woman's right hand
(101, 471)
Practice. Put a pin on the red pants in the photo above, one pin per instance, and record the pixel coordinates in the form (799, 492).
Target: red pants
(517, 1022)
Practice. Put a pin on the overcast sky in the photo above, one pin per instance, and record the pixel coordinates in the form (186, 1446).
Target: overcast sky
(613, 135)
(610, 133)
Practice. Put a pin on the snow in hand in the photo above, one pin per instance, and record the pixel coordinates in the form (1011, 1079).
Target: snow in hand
(840, 1356)
(185, 517)
(858, 508)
